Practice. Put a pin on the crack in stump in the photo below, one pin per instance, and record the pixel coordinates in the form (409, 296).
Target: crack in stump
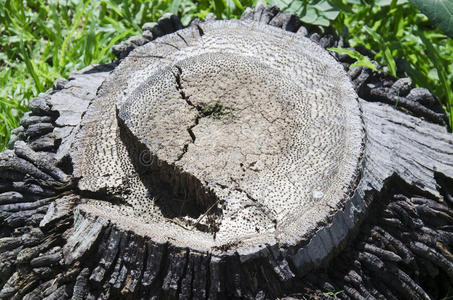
(216, 110)
(180, 89)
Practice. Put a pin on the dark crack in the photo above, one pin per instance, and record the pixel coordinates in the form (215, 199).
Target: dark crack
(182, 38)
(247, 194)
(257, 204)
(200, 30)
(266, 210)
(180, 89)
(102, 195)
(272, 18)
(170, 45)
(184, 151)
(216, 110)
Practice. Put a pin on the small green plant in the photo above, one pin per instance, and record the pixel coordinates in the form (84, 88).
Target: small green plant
(316, 12)
(216, 110)
(361, 60)
(334, 294)
(397, 100)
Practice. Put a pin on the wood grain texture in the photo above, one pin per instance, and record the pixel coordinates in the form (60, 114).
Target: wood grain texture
(399, 219)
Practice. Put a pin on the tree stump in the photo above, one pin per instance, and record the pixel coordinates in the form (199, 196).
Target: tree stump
(229, 159)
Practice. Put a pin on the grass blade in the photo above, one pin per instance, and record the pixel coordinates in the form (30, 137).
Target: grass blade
(30, 68)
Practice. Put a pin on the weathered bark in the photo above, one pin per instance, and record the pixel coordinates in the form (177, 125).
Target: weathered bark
(62, 237)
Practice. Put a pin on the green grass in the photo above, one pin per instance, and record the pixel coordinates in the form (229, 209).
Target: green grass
(405, 41)
(41, 41)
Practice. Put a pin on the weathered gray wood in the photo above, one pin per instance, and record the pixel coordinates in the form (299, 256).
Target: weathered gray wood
(58, 209)
(10, 197)
(81, 285)
(29, 119)
(39, 106)
(9, 162)
(45, 143)
(45, 260)
(43, 162)
(390, 240)
(86, 232)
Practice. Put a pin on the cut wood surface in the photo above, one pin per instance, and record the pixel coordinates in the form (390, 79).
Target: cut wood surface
(229, 159)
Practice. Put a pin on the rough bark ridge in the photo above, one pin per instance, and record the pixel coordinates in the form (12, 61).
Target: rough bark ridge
(55, 245)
